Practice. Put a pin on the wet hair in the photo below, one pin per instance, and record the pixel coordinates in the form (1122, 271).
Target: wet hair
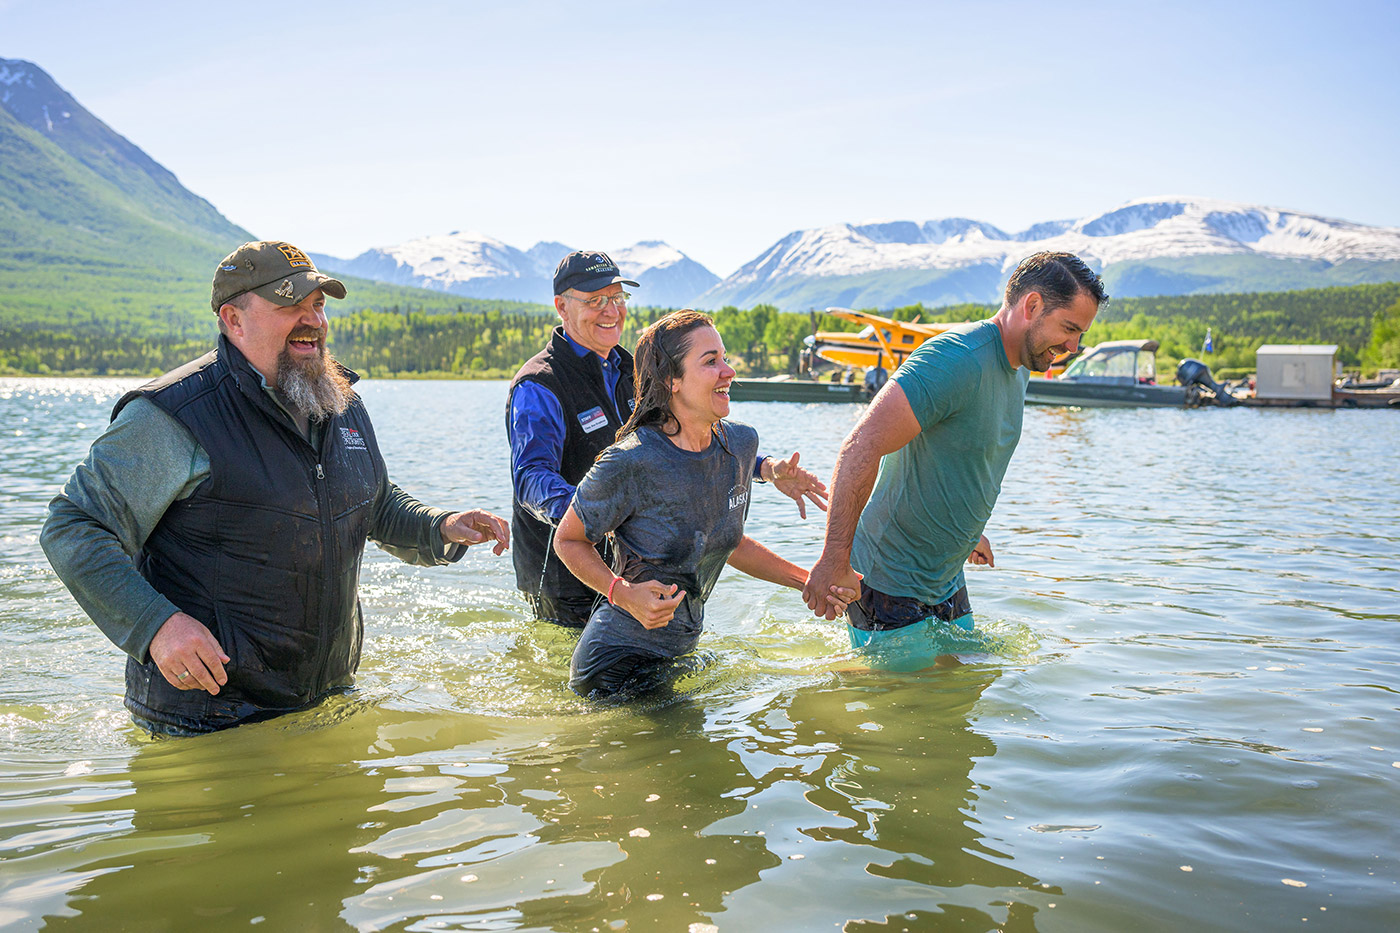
(660, 351)
(1058, 277)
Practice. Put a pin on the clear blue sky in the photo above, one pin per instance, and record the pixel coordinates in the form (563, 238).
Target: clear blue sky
(719, 127)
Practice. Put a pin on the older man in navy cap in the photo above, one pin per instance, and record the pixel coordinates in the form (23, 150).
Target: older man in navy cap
(565, 407)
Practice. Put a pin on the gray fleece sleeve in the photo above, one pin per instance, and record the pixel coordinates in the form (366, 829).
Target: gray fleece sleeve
(410, 530)
(143, 462)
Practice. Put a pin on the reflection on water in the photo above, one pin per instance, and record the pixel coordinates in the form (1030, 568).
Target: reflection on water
(1177, 709)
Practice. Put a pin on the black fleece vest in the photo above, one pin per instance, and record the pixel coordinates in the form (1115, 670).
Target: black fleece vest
(577, 381)
(266, 552)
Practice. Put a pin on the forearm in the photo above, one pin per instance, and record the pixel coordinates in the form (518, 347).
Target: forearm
(852, 481)
(144, 461)
(757, 561)
(536, 431)
(410, 530)
(91, 562)
(543, 492)
(580, 556)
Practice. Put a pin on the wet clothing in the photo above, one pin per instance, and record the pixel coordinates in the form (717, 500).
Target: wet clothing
(676, 516)
(933, 497)
(236, 518)
(565, 407)
(876, 613)
(568, 611)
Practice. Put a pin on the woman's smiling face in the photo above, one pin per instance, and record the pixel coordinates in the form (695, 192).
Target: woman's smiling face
(701, 393)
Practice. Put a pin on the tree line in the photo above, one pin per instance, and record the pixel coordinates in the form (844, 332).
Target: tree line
(466, 340)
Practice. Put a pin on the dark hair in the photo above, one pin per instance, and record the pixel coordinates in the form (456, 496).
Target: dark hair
(1058, 277)
(660, 350)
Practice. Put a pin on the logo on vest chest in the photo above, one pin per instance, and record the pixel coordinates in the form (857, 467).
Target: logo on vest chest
(738, 495)
(592, 420)
(352, 439)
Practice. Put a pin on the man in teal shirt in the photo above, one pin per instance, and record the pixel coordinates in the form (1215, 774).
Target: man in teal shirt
(916, 480)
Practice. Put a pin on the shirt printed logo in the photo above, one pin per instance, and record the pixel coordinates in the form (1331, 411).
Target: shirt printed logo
(352, 439)
(592, 420)
(738, 496)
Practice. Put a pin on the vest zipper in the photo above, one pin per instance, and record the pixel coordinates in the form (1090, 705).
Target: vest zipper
(325, 623)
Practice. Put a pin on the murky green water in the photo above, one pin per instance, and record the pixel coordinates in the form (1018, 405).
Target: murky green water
(1179, 711)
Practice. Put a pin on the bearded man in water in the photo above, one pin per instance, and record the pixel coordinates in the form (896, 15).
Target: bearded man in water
(215, 530)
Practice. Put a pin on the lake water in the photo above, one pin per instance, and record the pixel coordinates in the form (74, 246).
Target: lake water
(1178, 710)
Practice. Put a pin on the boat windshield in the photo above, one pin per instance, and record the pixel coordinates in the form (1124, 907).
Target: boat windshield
(1115, 362)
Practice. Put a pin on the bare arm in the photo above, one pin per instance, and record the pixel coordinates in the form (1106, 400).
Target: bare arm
(650, 602)
(757, 561)
(887, 425)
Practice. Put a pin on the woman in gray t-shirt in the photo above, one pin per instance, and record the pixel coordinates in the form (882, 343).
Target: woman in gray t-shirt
(674, 492)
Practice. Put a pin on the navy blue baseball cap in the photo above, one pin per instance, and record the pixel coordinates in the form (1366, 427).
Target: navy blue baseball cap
(588, 271)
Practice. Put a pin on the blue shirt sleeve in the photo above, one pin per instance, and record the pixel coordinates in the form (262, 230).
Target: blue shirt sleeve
(536, 431)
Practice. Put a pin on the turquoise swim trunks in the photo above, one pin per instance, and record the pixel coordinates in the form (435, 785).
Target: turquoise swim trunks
(904, 633)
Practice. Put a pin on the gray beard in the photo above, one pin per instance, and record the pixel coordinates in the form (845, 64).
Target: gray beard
(316, 389)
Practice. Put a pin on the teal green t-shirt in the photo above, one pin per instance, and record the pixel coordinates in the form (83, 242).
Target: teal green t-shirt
(933, 497)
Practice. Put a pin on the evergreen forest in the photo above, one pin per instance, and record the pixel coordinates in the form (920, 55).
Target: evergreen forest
(381, 335)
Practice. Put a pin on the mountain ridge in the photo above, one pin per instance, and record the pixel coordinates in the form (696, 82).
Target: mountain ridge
(891, 263)
(477, 265)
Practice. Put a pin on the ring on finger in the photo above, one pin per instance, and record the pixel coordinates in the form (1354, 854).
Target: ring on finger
(184, 675)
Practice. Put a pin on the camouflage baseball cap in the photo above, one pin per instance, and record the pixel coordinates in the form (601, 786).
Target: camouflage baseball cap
(270, 269)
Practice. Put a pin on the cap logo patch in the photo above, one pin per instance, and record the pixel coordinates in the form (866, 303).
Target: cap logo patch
(229, 268)
(295, 257)
(285, 289)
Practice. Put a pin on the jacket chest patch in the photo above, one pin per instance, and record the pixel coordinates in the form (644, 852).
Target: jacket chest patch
(592, 420)
(351, 439)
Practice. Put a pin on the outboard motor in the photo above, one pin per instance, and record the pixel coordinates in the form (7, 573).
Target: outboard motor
(1191, 373)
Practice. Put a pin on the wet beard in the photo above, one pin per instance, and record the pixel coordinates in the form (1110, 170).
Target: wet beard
(315, 388)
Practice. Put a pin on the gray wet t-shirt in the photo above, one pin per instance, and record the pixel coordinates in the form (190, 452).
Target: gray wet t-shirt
(676, 516)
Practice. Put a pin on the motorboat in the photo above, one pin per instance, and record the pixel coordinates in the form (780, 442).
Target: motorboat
(1113, 374)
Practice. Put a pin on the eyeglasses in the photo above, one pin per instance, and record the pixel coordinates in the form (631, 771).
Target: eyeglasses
(600, 302)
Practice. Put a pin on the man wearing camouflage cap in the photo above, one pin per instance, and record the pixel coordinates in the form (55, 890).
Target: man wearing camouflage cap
(244, 484)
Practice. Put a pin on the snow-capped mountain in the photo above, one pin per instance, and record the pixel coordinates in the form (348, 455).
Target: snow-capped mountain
(479, 266)
(1150, 246)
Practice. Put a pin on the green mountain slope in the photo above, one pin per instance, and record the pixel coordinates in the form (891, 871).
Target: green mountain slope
(105, 259)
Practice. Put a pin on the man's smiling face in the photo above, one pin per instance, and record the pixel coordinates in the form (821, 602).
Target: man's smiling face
(266, 331)
(594, 319)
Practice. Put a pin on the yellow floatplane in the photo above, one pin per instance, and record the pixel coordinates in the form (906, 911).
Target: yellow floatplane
(866, 357)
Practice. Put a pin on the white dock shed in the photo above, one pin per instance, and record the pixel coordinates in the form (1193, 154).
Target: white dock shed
(1303, 371)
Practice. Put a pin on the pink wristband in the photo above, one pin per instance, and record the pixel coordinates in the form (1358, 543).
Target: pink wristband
(610, 588)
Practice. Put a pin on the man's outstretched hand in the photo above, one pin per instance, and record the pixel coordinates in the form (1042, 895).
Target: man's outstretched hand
(476, 526)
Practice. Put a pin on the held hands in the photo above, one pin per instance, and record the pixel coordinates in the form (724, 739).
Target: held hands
(476, 526)
(832, 585)
(650, 602)
(795, 483)
(188, 655)
(982, 553)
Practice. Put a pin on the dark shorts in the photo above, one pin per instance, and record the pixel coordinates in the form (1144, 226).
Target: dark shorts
(568, 611)
(878, 612)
